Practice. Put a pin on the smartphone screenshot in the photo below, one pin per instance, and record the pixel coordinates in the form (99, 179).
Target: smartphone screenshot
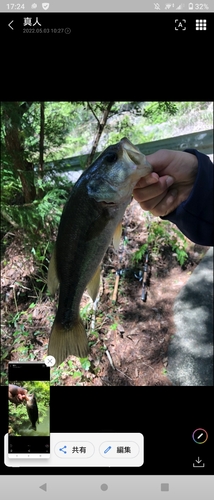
(106, 382)
(28, 401)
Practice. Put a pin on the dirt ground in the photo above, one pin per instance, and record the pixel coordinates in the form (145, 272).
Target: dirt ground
(131, 341)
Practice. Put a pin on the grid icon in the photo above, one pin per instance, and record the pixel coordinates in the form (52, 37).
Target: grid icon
(200, 24)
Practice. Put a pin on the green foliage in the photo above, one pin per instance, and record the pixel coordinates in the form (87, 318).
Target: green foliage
(122, 130)
(138, 255)
(38, 221)
(114, 326)
(59, 119)
(86, 312)
(163, 235)
(188, 106)
(77, 373)
(58, 124)
(157, 112)
(10, 187)
(85, 363)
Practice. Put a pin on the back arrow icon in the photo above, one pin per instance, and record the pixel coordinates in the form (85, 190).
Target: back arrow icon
(10, 25)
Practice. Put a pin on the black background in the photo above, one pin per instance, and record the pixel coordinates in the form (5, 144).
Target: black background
(123, 57)
(119, 56)
(28, 371)
(166, 416)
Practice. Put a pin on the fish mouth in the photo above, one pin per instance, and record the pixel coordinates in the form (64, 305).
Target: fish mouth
(134, 153)
(108, 203)
(134, 156)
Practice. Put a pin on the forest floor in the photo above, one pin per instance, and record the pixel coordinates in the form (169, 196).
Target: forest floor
(129, 339)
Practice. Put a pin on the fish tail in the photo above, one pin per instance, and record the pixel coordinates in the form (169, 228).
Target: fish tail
(66, 342)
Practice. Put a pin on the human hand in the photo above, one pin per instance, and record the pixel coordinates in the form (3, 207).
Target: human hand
(16, 394)
(170, 183)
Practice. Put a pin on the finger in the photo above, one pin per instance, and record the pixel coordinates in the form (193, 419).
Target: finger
(168, 204)
(151, 203)
(161, 206)
(147, 180)
(142, 194)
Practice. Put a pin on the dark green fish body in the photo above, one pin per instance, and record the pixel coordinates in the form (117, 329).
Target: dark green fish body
(90, 218)
(32, 410)
(87, 235)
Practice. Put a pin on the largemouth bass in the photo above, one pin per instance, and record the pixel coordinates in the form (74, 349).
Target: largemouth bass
(32, 410)
(91, 217)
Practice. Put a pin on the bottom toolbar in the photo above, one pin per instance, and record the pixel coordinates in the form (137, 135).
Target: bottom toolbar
(86, 450)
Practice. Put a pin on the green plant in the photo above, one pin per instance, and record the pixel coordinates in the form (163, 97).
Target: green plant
(157, 112)
(85, 363)
(74, 371)
(114, 326)
(161, 235)
(86, 312)
(138, 255)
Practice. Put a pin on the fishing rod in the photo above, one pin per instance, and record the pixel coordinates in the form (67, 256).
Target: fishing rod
(145, 277)
(114, 296)
(119, 272)
(142, 276)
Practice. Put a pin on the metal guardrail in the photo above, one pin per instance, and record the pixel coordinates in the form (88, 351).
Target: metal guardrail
(202, 141)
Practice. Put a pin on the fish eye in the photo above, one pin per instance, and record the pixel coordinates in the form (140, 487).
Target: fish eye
(111, 157)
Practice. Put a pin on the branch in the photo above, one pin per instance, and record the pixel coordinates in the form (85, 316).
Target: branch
(90, 107)
(100, 127)
(8, 219)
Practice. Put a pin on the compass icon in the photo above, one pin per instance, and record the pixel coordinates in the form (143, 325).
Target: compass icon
(200, 436)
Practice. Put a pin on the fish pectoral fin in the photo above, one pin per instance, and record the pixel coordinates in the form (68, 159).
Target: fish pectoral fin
(117, 236)
(53, 280)
(94, 285)
(66, 342)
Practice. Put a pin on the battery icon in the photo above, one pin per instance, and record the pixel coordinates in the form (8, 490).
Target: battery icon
(191, 6)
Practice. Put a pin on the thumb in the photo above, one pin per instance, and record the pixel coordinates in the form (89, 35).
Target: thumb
(160, 159)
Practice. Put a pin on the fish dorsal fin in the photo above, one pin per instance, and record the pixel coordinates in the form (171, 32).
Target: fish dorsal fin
(117, 236)
(94, 284)
(53, 280)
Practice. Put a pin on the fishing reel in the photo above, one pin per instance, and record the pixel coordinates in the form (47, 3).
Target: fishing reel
(142, 276)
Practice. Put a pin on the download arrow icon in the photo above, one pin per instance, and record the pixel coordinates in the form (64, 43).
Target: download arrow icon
(10, 25)
(198, 461)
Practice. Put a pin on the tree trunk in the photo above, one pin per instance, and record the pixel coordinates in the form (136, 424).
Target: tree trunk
(14, 142)
(41, 141)
(100, 128)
